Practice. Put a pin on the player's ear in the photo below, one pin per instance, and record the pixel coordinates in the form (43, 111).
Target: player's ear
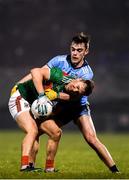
(87, 49)
(89, 87)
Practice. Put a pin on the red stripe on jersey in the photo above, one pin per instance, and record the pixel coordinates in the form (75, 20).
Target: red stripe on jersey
(65, 74)
(18, 105)
(48, 85)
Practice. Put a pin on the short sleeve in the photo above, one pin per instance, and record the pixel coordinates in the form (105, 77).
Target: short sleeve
(56, 74)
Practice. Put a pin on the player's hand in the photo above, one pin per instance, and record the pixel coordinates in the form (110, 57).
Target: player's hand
(42, 104)
(51, 94)
(42, 98)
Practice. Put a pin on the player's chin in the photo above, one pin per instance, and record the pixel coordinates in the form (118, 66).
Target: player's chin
(73, 94)
(69, 92)
(74, 61)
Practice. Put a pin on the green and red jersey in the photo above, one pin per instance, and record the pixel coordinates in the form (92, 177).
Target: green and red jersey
(57, 82)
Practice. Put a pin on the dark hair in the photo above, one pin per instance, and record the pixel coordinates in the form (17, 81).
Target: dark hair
(89, 88)
(82, 38)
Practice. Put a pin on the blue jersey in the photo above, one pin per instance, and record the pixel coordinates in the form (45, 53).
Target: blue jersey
(64, 63)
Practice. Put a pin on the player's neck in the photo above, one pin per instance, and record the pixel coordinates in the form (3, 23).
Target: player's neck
(78, 65)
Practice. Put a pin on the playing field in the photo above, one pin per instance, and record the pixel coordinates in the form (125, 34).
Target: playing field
(75, 159)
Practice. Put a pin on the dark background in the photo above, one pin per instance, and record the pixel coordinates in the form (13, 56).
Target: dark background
(33, 31)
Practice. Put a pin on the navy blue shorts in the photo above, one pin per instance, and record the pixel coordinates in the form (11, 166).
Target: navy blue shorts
(65, 112)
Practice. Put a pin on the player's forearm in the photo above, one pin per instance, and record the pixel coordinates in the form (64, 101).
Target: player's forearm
(64, 96)
(26, 78)
(37, 78)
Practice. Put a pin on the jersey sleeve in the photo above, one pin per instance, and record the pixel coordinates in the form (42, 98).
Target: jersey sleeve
(56, 75)
(87, 73)
(54, 62)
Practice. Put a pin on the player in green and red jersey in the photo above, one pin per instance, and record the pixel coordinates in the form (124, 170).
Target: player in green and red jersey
(55, 86)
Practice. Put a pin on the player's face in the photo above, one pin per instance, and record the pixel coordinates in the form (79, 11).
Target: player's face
(78, 53)
(76, 87)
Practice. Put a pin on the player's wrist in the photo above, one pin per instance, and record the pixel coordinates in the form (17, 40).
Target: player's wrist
(58, 95)
(41, 94)
(42, 98)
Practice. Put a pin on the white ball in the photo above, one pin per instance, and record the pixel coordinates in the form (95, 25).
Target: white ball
(41, 110)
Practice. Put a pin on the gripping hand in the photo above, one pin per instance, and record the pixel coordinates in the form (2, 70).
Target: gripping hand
(42, 104)
(42, 98)
(51, 94)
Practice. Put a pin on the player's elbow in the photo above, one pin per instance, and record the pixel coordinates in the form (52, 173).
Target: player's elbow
(33, 70)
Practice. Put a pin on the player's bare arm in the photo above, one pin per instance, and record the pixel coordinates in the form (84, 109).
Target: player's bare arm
(38, 75)
(29, 76)
(26, 78)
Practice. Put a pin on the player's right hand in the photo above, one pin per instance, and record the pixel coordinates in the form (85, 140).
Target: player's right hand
(51, 94)
(42, 103)
(42, 98)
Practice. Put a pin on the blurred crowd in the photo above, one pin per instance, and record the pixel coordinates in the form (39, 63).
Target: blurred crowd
(33, 31)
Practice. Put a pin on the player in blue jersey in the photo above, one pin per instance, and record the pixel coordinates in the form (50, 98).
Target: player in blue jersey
(75, 65)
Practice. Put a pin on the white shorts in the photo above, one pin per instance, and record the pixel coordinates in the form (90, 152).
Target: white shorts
(17, 104)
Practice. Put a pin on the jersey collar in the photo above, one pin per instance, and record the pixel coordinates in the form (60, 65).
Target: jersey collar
(68, 58)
